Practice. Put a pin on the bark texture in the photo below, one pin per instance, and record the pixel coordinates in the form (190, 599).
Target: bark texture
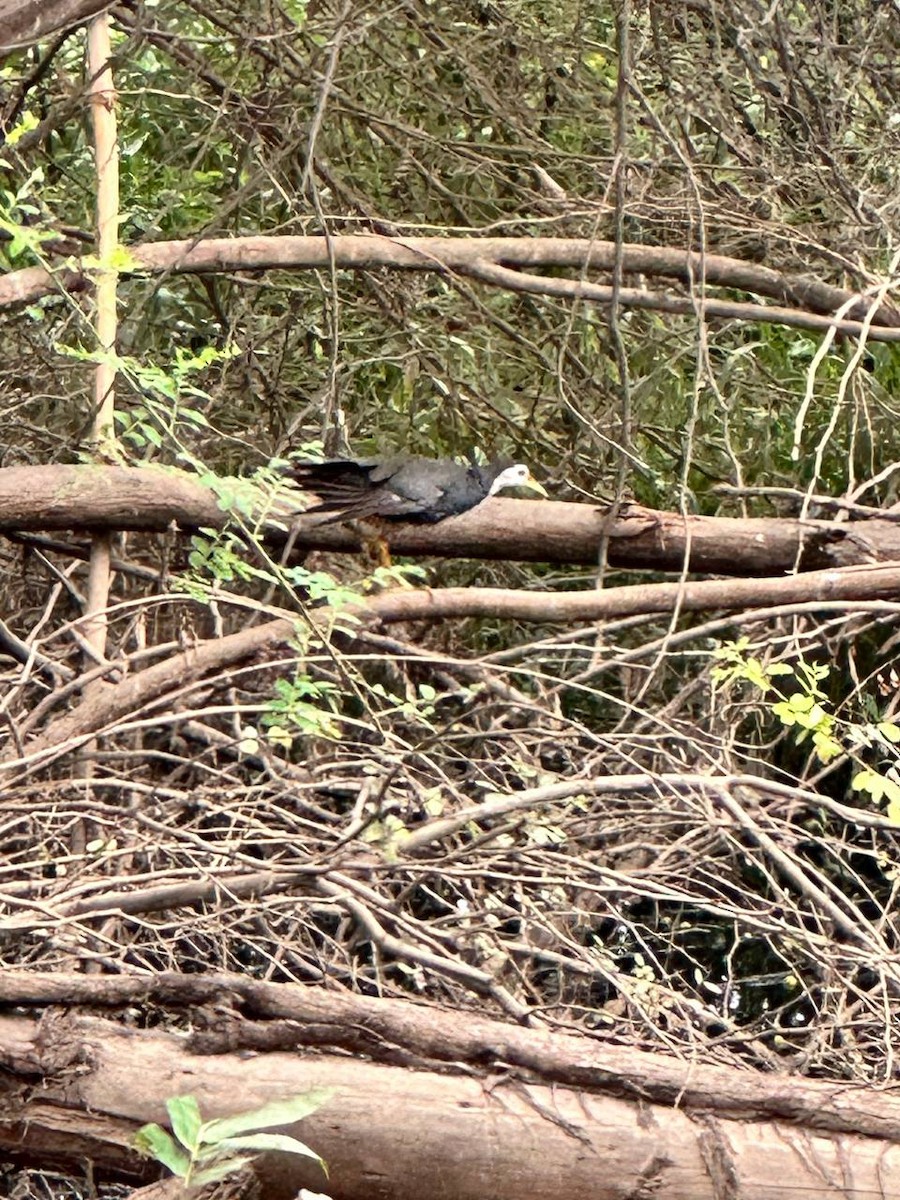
(24, 22)
(79, 1086)
(100, 497)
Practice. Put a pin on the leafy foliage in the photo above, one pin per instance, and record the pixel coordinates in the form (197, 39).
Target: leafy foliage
(807, 709)
(203, 1152)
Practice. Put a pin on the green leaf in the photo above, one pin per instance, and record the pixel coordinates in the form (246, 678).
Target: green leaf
(893, 812)
(826, 746)
(184, 1113)
(816, 716)
(784, 711)
(27, 122)
(878, 786)
(195, 418)
(598, 64)
(279, 736)
(268, 1141)
(123, 260)
(735, 649)
(155, 1142)
(889, 731)
(755, 673)
(278, 1112)
(866, 781)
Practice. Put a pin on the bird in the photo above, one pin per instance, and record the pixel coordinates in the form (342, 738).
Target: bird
(398, 487)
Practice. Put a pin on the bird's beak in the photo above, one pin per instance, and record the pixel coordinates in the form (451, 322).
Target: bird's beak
(534, 486)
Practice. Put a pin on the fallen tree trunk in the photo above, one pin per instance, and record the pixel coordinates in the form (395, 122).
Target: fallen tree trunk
(102, 498)
(496, 1118)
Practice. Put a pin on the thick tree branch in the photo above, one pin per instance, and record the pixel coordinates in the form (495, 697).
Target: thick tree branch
(375, 1027)
(730, 595)
(104, 498)
(626, 1126)
(502, 262)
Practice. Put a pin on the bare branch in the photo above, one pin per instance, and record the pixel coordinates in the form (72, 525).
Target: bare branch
(498, 261)
(99, 712)
(344, 1020)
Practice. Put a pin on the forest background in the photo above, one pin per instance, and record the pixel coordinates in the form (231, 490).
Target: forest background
(617, 768)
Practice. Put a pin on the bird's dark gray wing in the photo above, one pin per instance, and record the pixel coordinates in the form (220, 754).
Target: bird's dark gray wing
(334, 476)
(351, 488)
(420, 481)
(461, 488)
(383, 470)
(393, 486)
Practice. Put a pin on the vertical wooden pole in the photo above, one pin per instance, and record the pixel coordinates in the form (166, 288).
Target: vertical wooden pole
(102, 99)
(103, 118)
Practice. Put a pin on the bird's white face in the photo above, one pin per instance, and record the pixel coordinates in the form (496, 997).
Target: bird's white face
(517, 476)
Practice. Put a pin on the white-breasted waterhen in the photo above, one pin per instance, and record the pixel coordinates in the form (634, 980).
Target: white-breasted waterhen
(403, 488)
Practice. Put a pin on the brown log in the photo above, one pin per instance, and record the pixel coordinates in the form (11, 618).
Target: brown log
(102, 498)
(79, 1087)
(383, 1029)
(463, 254)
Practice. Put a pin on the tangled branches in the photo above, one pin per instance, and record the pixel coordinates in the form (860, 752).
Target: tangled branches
(550, 829)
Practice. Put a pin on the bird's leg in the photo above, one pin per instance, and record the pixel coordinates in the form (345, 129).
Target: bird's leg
(373, 543)
(381, 552)
(377, 552)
